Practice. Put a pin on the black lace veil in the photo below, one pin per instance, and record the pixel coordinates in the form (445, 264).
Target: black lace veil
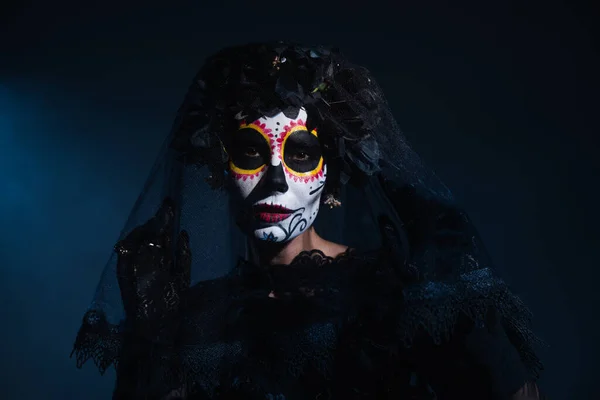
(372, 171)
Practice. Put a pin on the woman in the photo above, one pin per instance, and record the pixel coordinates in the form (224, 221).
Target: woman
(228, 291)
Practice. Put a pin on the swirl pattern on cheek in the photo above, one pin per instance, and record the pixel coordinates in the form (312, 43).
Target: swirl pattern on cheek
(296, 222)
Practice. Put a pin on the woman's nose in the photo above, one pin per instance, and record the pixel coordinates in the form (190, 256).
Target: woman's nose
(275, 179)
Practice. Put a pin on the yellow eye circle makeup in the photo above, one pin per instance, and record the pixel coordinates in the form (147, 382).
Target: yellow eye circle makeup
(306, 176)
(242, 166)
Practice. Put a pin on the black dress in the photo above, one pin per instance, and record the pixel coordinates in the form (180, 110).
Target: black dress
(329, 328)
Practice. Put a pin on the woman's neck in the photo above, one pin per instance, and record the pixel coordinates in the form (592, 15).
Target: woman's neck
(284, 253)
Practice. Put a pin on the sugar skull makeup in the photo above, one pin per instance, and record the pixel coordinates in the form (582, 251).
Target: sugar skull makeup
(277, 167)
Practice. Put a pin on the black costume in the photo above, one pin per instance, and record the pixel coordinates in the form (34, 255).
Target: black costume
(412, 310)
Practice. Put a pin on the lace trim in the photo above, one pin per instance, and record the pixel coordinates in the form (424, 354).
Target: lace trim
(434, 307)
(318, 258)
(97, 340)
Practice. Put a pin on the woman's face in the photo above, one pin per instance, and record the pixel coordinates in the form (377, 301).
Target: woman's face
(278, 170)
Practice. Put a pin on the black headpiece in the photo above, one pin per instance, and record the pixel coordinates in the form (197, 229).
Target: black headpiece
(358, 133)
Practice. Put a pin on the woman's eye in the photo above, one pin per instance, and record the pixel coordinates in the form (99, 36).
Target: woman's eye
(252, 152)
(300, 156)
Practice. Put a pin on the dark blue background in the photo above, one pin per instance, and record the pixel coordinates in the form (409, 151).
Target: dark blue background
(501, 99)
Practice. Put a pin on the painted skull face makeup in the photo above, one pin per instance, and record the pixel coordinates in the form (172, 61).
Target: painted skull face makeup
(278, 169)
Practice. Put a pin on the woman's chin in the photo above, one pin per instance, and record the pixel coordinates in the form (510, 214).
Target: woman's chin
(269, 234)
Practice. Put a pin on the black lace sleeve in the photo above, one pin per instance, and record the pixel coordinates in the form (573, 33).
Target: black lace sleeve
(163, 367)
(97, 340)
(146, 369)
(476, 330)
(479, 361)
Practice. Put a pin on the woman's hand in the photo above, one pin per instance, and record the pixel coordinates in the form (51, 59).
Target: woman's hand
(152, 276)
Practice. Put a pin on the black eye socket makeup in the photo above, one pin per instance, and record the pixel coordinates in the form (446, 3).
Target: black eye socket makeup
(252, 152)
(249, 150)
(302, 151)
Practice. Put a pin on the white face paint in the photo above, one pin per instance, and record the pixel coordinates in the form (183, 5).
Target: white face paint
(278, 169)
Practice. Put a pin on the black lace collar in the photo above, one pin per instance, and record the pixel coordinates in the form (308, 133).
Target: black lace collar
(316, 257)
(305, 265)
